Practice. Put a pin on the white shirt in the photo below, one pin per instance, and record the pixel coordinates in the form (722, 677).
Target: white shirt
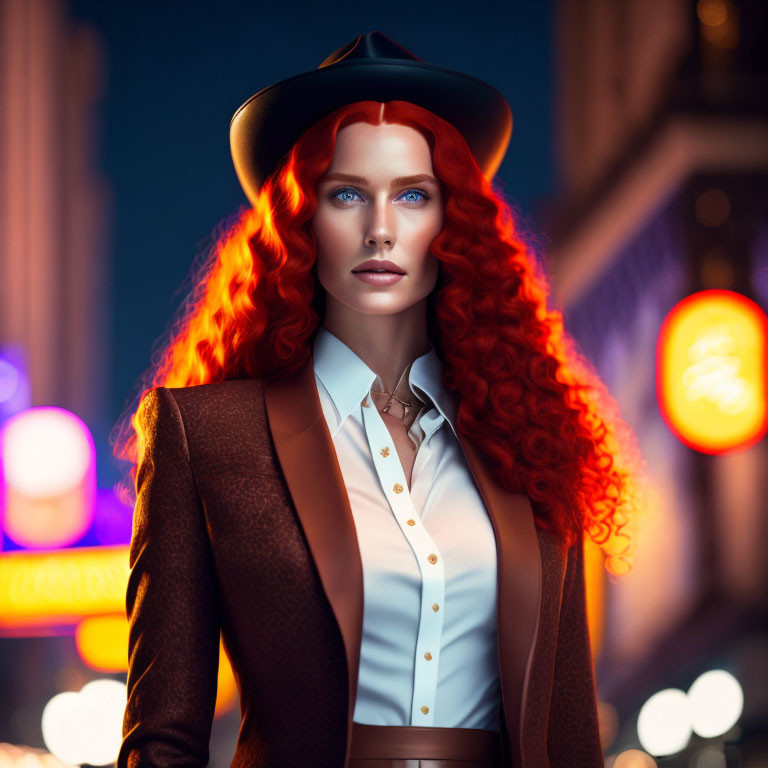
(428, 655)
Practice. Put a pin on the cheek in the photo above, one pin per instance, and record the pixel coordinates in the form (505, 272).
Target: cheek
(422, 237)
(432, 224)
(332, 233)
(333, 243)
(327, 241)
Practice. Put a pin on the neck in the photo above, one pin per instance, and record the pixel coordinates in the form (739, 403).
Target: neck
(386, 343)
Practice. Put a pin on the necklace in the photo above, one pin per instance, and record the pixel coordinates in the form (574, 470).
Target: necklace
(411, 410)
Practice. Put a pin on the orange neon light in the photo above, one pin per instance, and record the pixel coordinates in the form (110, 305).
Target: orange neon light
(84, 587)
(102, 642)
(711, 371)
(594, 579)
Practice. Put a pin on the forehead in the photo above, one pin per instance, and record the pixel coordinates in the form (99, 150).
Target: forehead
(388, 147)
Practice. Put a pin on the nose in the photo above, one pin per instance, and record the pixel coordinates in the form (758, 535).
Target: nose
(380, 225)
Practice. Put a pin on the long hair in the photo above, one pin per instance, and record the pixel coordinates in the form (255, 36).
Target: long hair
(528, 400)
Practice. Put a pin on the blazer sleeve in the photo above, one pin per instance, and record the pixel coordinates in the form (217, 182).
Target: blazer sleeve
(171, 603)
(573, 734)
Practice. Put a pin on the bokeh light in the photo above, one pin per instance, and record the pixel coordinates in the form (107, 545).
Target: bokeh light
(709, 757)
(86, 727)
(634, 758)
(710, 371)
(716, 702)
(49, 478)
(664, 723)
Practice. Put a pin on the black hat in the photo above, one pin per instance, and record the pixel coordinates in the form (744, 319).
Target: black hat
(370, 67)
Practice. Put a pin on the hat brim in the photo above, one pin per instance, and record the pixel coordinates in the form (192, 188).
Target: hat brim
(269, 123)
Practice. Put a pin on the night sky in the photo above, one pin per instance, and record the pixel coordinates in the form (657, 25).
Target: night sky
(175, 72)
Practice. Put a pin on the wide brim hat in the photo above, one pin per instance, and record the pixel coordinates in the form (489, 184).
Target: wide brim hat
(370, 67)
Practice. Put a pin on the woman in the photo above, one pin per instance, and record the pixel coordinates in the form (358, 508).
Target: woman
(379, 494)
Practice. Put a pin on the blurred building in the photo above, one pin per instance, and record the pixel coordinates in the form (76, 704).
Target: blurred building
(663, 155)
(54, 208)
(54, 205)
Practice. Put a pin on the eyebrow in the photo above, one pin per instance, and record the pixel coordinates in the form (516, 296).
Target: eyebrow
(400, 181)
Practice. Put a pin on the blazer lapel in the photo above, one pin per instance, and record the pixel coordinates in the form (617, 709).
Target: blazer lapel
(519, 593)
(308, 460)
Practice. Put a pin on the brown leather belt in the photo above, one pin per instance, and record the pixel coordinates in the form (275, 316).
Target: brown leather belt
(388, 746)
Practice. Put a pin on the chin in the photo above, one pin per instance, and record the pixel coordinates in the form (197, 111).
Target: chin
(359, 298)
(389, 308)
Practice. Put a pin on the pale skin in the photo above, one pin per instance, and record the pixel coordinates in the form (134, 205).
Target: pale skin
(393, 210)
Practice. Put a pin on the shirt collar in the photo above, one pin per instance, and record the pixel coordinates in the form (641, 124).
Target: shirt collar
(347, 379)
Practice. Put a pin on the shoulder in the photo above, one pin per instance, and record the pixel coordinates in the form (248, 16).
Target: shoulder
(219, 395)
(219, 414)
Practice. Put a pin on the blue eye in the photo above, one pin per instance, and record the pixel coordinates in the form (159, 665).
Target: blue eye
(424, 195)
(345, 191)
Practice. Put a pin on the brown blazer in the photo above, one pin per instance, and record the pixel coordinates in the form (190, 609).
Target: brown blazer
(242, 526)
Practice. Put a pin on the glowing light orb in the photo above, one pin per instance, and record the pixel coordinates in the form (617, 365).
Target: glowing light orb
(711, 371)
(86, 727)
(664, 723)
(716, 702)
(634, 758)
(49, 478)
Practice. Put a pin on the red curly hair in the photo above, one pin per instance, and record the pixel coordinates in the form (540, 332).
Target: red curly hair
(529, 402)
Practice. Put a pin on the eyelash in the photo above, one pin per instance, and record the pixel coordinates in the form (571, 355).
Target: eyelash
(412, 203)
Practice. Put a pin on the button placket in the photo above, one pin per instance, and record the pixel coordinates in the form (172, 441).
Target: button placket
(430, 563)
(428, 640)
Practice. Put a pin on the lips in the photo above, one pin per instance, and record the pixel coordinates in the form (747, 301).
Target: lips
(379, 265)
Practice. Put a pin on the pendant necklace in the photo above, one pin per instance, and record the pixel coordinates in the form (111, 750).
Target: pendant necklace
(402, 390)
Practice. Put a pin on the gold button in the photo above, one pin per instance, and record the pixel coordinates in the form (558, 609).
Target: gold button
(411, 522)
(397, 488)
(427, 655)
(425, 710)
(385, 452)
(432, 559)
(435, 607)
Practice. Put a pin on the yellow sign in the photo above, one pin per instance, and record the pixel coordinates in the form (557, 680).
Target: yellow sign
(711, 371)
(84, 587)
(60, 586)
